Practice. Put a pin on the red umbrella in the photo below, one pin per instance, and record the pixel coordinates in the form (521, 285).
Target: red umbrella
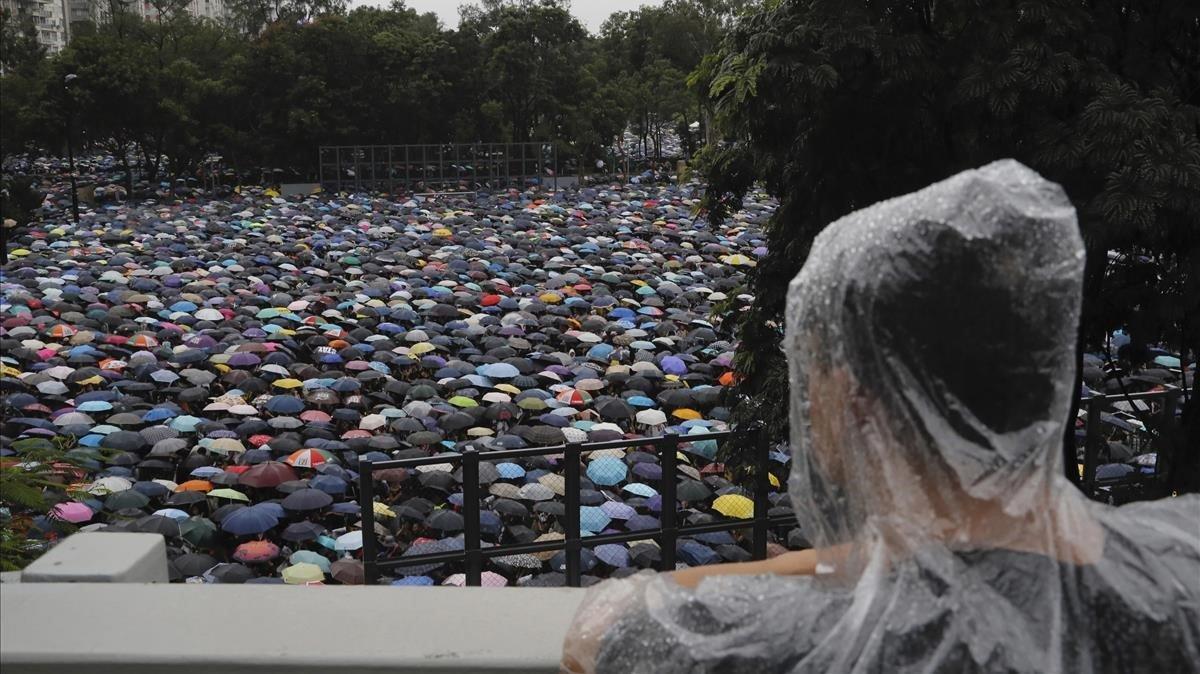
(256, 551)
(269, 474)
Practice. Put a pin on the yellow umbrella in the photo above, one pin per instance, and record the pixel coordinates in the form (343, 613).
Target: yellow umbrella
(382, 510)
(287, 382)
(442, 232)
(734, 505)
(229, 494)
(226, 445)
(9, 371)
(550, 298)
(507, 388)
(302, 573)
(420, 348)
(738, 261)
(686, 413)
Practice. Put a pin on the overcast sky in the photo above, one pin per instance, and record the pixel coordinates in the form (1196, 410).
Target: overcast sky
(591, 13)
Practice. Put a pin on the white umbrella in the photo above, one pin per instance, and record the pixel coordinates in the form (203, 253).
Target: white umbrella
(108, 485)
(372, 422)
(651, 417)
(350, 541)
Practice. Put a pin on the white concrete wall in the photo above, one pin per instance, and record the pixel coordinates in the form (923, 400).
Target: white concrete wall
(234, 629)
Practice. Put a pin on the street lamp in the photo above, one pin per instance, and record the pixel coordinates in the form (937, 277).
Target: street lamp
(70, 151)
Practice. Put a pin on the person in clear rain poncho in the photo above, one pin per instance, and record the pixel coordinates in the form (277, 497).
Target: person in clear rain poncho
(930, 340)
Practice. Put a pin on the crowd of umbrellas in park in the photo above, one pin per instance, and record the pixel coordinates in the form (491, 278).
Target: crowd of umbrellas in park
(216, 369)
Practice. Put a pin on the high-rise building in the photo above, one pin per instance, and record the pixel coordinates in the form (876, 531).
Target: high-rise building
(49, 19)
(54, 19)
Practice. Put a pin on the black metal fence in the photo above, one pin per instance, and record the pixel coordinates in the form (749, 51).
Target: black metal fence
(473, 554)
(436, 167)
(1159, 411)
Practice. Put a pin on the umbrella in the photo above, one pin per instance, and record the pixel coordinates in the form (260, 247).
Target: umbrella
(307, 499)
(302, 531)
(734, 505)
(249, 521)
(348, 572)
(256, 551)
(350, 541)
(302, 574)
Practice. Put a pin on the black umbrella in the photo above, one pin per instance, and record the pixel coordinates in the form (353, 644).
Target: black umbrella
(445, 520)
(307, 499)
(302, 531)
(194, 564)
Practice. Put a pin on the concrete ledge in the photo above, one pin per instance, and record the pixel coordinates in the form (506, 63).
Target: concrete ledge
(234, 629)
(102, 558)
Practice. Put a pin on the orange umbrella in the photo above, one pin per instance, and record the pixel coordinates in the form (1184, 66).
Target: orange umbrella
(195, 485)
(305, 458)
(256, 551)
(143, 341)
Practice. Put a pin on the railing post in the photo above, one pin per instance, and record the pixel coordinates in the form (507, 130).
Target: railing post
(471, 517)
(366, 503)
(1169, 445)
(670, 529)
(571, 457)
(762, 483)
(1091, 442)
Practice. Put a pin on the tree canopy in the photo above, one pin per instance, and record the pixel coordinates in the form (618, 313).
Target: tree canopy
(882, 98)
(281, 78)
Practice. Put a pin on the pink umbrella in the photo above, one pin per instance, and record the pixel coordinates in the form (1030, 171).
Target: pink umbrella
(73, 512)
(256, 551)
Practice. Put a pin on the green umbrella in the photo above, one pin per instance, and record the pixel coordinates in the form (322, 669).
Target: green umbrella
(229, 494)
(199, 531)
(310, 557)
(462, 401)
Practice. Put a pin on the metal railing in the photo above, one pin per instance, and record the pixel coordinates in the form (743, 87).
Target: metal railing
(1094, 442)
(444, 167)
(669, 531)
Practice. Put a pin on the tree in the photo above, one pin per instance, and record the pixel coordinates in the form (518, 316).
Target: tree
(879, 99)
(532, 55)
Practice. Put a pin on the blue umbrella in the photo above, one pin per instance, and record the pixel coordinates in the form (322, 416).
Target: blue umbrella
(696, 554)
(159, 414)
(413, 580)
(716, 538)
(587, 560)
(284, 404)
(498, 370)
(94, 406)
(489, 523)
(270, 507)
(510, 471)
(607, 471)
(618, 510)
(642, 523)
(330, 484)
(612, 554)
(673, 365)
(592, 518)
(639, 489)
(249, 521)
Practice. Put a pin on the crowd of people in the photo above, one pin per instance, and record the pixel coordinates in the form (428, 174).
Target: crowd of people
(213, 369)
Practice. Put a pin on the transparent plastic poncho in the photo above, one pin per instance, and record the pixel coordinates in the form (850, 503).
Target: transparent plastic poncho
(930, 341)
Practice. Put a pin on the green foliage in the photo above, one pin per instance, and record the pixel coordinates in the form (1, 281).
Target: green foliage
(836, 105)
(24, 486)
